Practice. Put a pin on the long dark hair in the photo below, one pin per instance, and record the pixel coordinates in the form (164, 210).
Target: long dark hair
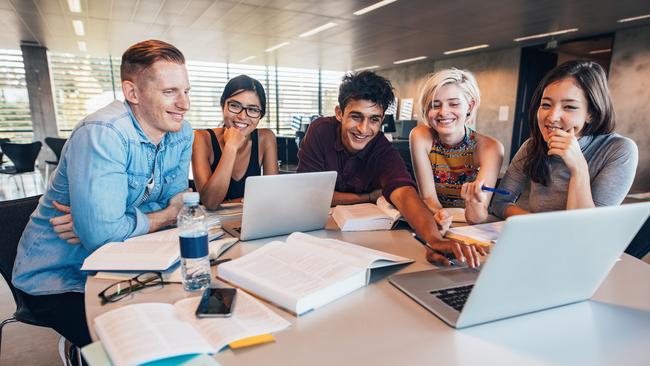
(243, 83)
(591, 78)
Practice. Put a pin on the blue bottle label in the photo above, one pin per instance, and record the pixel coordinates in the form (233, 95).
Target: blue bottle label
(194, 246)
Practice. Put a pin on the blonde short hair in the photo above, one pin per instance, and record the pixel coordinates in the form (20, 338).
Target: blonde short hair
(465, 81)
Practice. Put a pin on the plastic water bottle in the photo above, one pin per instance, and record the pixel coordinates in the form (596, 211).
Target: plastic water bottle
(193, 237)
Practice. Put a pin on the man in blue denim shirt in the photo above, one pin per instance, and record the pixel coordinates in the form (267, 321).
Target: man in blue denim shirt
(122, 173)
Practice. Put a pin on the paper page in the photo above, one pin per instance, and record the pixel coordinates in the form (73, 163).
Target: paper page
(388, 209)
(353, 254)
(250, 318)
(485, 233)
(292, 270)
(138, 333)
(225, 210)
(457, 214)
(135, 255)
(173, 274)
(217, 247)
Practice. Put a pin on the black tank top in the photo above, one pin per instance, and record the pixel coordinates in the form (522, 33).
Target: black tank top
(236, 187)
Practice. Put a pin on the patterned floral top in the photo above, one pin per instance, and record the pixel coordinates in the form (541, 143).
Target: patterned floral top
(452, 166)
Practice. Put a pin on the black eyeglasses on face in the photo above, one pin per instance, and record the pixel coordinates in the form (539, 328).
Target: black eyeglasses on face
(252, 112)
(122, 289)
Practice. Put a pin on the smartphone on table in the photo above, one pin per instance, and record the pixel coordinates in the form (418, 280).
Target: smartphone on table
(217, 302)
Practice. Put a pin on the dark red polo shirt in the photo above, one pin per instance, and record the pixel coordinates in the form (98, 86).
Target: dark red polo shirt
(378, 165)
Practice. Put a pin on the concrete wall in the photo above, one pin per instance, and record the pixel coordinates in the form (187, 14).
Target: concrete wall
(629, 83)
(497, 74)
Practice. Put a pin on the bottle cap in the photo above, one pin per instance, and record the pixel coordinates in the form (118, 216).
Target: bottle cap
(191, 197)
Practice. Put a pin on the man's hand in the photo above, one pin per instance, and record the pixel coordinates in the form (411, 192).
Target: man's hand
(469, 253)
(374, 195)
(176, 202)
(443, 220)
(64, 224)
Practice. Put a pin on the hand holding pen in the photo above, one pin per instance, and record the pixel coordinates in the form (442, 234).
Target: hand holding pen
(449, 252)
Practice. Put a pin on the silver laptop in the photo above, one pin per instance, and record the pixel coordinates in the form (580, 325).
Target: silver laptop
(540, 261)
(281, 204)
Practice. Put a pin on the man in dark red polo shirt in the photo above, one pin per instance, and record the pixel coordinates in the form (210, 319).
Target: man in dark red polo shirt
(367, 165)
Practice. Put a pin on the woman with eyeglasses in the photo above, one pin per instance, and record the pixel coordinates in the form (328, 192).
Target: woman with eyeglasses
(223, 157)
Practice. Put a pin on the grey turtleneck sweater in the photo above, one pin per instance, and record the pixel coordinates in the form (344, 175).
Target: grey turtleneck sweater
(612, 161)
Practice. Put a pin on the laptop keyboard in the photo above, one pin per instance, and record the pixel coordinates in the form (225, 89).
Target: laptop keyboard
(454, 297)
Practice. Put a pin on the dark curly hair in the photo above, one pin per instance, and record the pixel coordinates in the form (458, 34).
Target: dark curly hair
(591, 78)
(366, 85)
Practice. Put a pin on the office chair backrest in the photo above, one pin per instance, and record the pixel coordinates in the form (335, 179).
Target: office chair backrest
(2, 141)
(14, 216)
(56, 144)
(22, 155)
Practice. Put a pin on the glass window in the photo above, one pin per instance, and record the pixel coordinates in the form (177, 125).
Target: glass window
(15, 117)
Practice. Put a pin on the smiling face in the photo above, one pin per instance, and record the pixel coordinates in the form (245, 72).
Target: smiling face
(448, 112)
(563, 106)
(360, 123)
(246, 99)
(159, 98)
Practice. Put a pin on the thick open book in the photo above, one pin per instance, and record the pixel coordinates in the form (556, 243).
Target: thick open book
(139, 333)
(305, 272)
(151, 252)
(366, 216)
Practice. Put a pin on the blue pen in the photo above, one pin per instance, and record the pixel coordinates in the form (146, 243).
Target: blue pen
(502, 192)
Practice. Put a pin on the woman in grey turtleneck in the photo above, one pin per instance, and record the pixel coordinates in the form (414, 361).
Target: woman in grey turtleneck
(573, 159)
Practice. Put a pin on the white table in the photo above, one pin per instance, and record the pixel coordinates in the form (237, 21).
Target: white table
(379, 325)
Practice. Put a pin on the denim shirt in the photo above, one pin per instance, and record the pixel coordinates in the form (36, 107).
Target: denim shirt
(103, 176)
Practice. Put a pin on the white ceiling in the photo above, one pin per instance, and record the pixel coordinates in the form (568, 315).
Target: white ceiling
(230, 30)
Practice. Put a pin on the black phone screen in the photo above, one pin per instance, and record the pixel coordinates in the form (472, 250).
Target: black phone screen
(216, 302)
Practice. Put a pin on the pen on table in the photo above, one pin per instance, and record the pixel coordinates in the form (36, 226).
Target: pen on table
(449, 256)
(214, 262)
(502, 192)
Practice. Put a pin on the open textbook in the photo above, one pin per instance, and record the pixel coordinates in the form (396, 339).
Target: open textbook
(173, 273)
(366, 216)
(482, 234)
(305, 272)
(151, 252)
(139, 333)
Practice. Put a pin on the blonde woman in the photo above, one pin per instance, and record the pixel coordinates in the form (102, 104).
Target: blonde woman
(452, 162)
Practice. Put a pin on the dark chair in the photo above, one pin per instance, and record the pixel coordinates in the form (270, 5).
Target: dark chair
(640, 246)
(56, 145)
(2, 141)
(23, 156)
(14, 216)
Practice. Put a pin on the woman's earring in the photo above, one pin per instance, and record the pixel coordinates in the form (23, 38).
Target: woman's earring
(468, 113)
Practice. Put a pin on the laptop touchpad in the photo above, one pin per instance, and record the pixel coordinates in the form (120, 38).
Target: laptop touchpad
(459, 275)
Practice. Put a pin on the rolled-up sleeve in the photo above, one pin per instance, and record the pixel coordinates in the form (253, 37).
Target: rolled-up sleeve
(513, 181)
(96, 166)
(391, 170)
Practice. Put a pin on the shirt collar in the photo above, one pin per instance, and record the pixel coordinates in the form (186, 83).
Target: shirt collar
(143, 136)
(584, 141)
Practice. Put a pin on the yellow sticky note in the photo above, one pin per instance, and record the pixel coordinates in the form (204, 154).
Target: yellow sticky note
(467, 240)
(252, 341)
